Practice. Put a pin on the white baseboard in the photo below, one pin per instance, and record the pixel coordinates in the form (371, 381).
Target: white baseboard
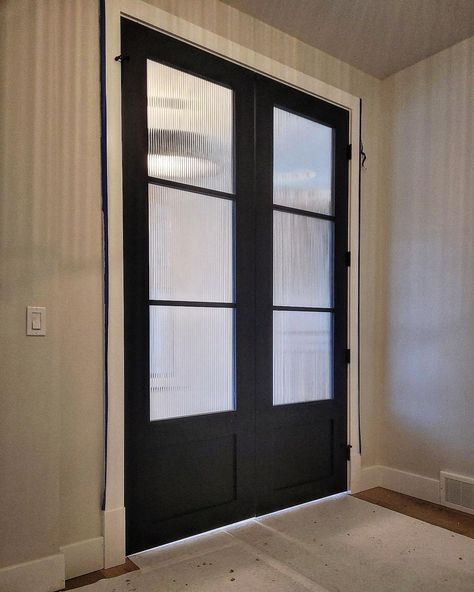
(41, 575)
(83, 557)
(114, 537)
(424, 488)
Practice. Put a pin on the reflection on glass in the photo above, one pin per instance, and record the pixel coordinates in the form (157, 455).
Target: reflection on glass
(302, 358)
(302, 163)
(302, 261)
(190, 246)
(191, 361)
(190, 135)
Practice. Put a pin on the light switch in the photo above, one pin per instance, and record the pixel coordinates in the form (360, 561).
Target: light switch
(36, 320)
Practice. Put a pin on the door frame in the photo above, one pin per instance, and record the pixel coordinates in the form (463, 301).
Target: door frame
(146, 14)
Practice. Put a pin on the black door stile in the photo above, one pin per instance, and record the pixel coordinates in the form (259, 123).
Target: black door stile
(188, 475)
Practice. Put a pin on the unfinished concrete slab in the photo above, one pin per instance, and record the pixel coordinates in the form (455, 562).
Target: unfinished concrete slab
(339, 544)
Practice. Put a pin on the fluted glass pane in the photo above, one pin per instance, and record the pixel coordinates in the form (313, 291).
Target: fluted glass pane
(190, 246)
(302, 166)
(190, 129)
(302, 358)
(302, 260)
(191, 361)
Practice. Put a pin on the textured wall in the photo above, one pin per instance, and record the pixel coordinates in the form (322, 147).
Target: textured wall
(50, 244)
(429, 397)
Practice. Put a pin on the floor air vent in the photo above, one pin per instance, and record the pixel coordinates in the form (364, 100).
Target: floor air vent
(457, 492)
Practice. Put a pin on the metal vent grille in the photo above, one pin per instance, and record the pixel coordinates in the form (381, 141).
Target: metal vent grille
(457, 492)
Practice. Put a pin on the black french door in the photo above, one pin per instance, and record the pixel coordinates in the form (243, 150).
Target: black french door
(235, 291)
(301, 295)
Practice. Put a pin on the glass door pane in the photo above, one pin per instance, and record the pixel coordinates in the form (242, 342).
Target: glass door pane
(302, 260)
(302, 356)
(190, 129)
(191, 361)
(302, 163)
(190, 246)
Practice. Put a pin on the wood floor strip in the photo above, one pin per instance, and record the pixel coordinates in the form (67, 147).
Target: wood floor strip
(91, 578)
(453, 520)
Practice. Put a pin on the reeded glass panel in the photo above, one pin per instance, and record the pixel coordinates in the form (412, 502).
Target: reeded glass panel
(302, 357)
(302, 163)
(190, 246)
(191, 361)
(190, 135)
(302, 261)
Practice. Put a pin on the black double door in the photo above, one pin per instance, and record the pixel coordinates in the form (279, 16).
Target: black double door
(235, 288)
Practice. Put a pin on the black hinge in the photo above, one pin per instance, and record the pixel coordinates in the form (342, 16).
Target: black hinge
(348, 451)
(348, 356)
(348, 258)
(121, 58)
(349, 152)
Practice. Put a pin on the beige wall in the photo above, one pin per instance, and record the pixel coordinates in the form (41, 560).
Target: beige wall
(50, 244)
(428, 417)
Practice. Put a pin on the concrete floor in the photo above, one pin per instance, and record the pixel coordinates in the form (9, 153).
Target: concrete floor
(338, 544)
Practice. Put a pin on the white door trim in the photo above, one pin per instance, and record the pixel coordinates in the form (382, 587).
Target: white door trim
(114, 534)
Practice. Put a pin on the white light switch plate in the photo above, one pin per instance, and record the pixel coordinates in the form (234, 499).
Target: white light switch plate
(35, 320)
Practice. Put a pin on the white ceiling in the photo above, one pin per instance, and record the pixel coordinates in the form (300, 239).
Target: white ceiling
(379, 37)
